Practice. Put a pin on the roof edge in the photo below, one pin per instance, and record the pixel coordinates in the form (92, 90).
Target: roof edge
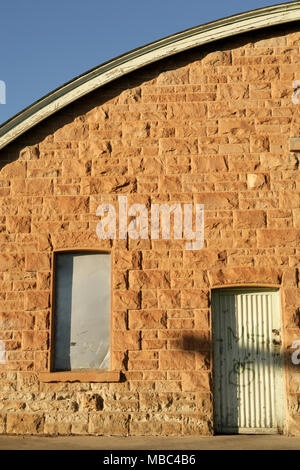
(145, 55)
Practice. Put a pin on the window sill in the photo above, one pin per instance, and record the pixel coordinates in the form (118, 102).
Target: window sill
(80, 375)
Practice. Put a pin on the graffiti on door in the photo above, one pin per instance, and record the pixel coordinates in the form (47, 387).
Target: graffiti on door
(242, 373)
(255, 338)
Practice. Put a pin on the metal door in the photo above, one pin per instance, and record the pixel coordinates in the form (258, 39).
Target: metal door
(248, 384)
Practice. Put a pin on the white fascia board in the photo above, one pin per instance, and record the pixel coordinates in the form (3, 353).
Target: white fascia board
(116, 68)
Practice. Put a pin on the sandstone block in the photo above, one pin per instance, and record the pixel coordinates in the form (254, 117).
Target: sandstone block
(256, 181)
(76, 168)
(173, 77)
(70, 132)
(249, 219)
(195, 425)
(79, 428)
(67, 204)
(123, 259)
(244, 275)
(217, 200)
(180, 323)
(208, 163)
(143, 364)
(289, 199)
(41, 361)
(25, 423)
(18, 224)
(296, 218)
(217, 58)
(178, 146)
(109, 184)
(92, 402)
(191, 340)
(177, 360)
(169, 298)
(127, 299)
(30, 153)
(234, 92)
(145, 428)
(36, 300)
(123, 340)
(14, 170)
(169, 184)
(11, 262)
(116, 424)
(140, 319)
(136, 130)
(16, 321)
(195, 381)
(259, 143)
(171, 429)
(2, 423)
(278, 162)
(37, 262)
(291, 297)
(35, 340)
(284, 238)
(194, 298)
(182, 111)
(38, 187)
(149, 279)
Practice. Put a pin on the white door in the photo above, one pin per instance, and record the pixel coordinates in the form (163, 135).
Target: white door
(248, 384)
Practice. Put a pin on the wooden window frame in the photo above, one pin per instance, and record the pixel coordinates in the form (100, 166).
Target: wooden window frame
(77, 375)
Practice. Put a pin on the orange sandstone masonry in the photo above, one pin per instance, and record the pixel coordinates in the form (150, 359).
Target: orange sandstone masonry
(211, 126)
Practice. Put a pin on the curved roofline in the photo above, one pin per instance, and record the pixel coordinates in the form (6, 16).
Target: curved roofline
(145, 55)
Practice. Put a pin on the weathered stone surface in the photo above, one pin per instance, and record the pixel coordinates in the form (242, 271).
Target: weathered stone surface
(115, 424)
(16, 321)
(217, 128)
(149, 279)
(17, 224)
(25, 423)
(195, 381)
(11, 262)
(169, 298)
(126, 299)
(217, 201)
(249, 219)
(36, 300)
(35, 340)
(256, 181)
(195, 425)
(126, 340)
(194, 298)
(177, 360)
(37, 262)
(144, 319)
(67, 204)
(208, 163)
(244, 276)
(284, 238)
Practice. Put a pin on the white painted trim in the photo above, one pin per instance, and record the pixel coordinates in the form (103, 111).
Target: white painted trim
(116, 68)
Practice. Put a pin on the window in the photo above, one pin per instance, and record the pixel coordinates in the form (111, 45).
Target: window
(81, 317)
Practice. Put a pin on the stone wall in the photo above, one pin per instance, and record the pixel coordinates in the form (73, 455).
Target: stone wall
(209, 126)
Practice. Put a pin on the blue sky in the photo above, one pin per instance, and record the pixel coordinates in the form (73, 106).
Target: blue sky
(47, 43)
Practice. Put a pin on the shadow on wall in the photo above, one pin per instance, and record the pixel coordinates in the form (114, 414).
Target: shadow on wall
(247, 361)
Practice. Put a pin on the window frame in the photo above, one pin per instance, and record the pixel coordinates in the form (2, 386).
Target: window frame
(76, 375)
